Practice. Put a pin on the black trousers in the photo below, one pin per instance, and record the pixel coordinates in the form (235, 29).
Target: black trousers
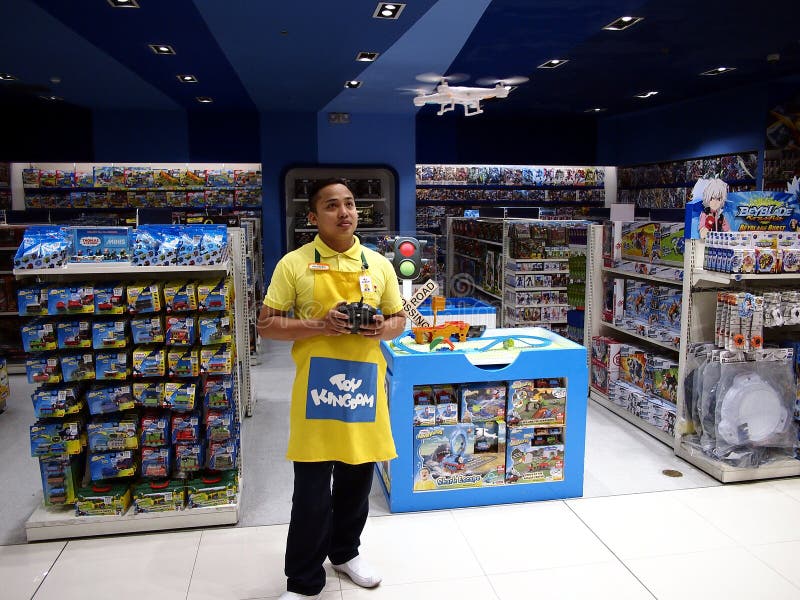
(327, 520)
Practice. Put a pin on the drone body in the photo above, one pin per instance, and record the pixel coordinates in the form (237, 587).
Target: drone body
(447, 96)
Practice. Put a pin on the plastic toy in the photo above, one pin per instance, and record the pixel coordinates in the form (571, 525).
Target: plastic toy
(158, 496)
(358, 314)
(212, 489)
(109, 465)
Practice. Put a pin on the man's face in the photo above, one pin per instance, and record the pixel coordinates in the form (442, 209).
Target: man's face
(335, 216)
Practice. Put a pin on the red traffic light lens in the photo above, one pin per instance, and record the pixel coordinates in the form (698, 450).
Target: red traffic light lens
(406, 249)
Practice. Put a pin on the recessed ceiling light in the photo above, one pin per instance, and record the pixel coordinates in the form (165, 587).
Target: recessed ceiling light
(352, 84)
(553, 63)
(7, 77)
(204, 99)
(50, 98)
(596, 109)
(366, 56)
(186, 78)
(647, 94)
(718, 71)
(622, 23)
(388, 10)
(124, 3)
(162, 48)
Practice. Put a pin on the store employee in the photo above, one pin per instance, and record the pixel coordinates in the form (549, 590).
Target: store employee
(339, 423)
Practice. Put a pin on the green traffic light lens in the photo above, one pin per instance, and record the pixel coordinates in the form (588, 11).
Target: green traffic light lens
(407, 268)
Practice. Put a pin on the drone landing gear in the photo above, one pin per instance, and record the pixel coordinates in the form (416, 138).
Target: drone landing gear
(446, 108)
(476, 110)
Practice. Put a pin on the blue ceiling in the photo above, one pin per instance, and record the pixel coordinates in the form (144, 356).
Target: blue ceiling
(284, 56)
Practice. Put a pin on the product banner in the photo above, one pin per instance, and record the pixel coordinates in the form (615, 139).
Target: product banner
(713, 208)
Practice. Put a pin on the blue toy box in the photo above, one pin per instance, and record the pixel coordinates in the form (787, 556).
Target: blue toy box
(147, 330)
(180, 396)
(189, 458)
(220, 425)
(74, 334)
(528, 463)
(424, 406)
(149, 394)
(78, 367)
(483, 402)
(109, 299)
(113, 434)
(109, 334)
(43, 368)
(38, 336)
(218, 392)
(101, 244)
(180, 330)
(155, 430)
(215, 328)
(63, 300)
(103, 398)
(112, 365)
(110, 465)
(156, 463)
(33, 300)
(221, 456)
(57, 401)
(57, 437)
(149, 361)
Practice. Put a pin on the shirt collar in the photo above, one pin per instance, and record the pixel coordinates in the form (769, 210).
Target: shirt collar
(326, 251)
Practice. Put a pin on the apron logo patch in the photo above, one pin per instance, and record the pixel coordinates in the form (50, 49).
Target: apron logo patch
(341, 390)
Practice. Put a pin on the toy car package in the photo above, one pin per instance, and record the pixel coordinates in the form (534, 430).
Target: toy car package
(43, 368)
(110, 465)
(118, 433)
(220, 426)
(424, 406)
(183, 362)
(530, 404)
(215, 328)
(155, 429)
(212, 489)
(180, 396)
(483, 402)
(57, 401)
(147, 330)
(218, 392)
(144, 298)
(222, 456)
(109, 299)
(158, 496)
(33, 300)
(149, 394)
(529, 463)
(57, 437)
(180, 330)
(149, 361)
(217, 359)
(74, 334)
(189, 458)
(78, 367)
(70, 299)
(443, 457)
(156, 462)
(103, 499)
(38, 336)
(112, 365)
(60, 476)
(109, 334)
(185, 428)
(105, 398)
(215, 295)
(180, 296)
(43, 247)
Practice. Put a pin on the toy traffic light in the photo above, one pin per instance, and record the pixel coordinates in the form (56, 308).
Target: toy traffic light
(407, 259)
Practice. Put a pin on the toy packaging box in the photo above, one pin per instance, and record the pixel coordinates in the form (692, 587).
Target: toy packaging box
(483, 402)
(38, 336)
(109, 334)
(217, 359)
(442, 455)
(215, 295)
(109, 299)
(148, 394)
(529, 463)
(661, 378)
(185, 428)
(101, 244)
(112, 365)
(44, 368)
(139, 177)
(70, 300)
(74, 334)
(215, 328)
(529, 404)
(104, 398)
(78, 367)
(446, 400)
(155, 428)
(103, 499)
(57, 401)
(58, 437)
(110, 465)
(220, 426)
(745, 211)
(180, 296)
(144, 298)
(158, 496)
(212, 490)
(156, 462)
(189, 458)
(221, 456)
(60, 477)
(633, 361)
(180, 330)
(640, 241)
(183, 362)
(218, 392)
(180, 395)
(118, 433)
(33, 300)
(598, 376)
(672, 243)
(109, 177)
(147, 330)
(149, 361)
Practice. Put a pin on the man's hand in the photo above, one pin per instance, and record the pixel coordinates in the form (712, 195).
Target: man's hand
(375, 328)
(336, 322)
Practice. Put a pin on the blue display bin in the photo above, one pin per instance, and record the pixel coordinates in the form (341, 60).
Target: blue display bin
(469, 310)
(556, 357)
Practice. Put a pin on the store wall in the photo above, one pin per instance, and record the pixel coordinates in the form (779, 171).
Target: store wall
(46, 132)
(141, 136)
(376, 139)
(731, 121)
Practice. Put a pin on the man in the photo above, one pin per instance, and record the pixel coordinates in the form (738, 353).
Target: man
(339, 423)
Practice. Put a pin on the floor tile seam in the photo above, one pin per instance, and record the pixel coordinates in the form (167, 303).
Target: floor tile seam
(469, 545)
(614, 554)
(785, 493)
(50, 570)
(748, 549)
(194, 564)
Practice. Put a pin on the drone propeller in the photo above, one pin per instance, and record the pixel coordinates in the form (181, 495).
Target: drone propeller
(515, 80)
(436, 78)
(417, 91)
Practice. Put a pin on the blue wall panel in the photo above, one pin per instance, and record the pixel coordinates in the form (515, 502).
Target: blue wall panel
(223, 136)
(140, 136)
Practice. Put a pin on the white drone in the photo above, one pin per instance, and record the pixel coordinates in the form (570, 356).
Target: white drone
(447, 96)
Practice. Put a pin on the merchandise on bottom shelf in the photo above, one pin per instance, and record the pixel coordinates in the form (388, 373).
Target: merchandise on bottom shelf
(213, 489)
(159, 496)
(527, 462)
(60, 477)
(103, 499)
(113, 465)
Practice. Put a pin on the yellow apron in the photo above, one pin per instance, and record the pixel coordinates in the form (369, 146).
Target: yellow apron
(339, 407)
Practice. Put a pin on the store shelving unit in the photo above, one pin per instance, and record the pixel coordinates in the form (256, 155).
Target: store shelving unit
(374, 193)
(45, 524)
(10, 341)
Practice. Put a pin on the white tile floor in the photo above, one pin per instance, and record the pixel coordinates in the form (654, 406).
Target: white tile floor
(731, 542)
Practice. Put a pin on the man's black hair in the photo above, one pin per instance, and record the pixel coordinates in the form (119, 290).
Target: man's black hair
(317, 186)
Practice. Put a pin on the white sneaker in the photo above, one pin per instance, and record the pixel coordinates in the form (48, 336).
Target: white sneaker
(296, 596)
(360, 572)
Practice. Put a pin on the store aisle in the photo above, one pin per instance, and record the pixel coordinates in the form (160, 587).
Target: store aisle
(733, 542)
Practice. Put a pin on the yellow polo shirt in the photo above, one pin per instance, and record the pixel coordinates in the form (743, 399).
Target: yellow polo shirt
(292, 284)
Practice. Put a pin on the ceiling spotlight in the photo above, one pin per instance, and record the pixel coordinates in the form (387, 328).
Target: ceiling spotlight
(718, 71)
(186, 78)
(646, 94)
(7, 77)
(162, 48)
(597, 109)
(622, 23)
(204, 99)
(50, 98)
(388, 10)
(124, 3)
(367, 56)
(553, 63)
(352, 84)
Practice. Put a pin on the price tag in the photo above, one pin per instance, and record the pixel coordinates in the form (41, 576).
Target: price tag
(47, 328)
(52, 362)
(62, 395)
(87, 359)
(168, 496)
(119, 326)
(226, 321)
(117, 291)
(83, 325)
(122, 359)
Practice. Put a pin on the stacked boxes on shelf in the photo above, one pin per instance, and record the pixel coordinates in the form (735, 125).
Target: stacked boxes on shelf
(488, 434)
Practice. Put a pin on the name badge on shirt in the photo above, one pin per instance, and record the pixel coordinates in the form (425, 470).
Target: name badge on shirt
(366, 284)
(315, 266)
